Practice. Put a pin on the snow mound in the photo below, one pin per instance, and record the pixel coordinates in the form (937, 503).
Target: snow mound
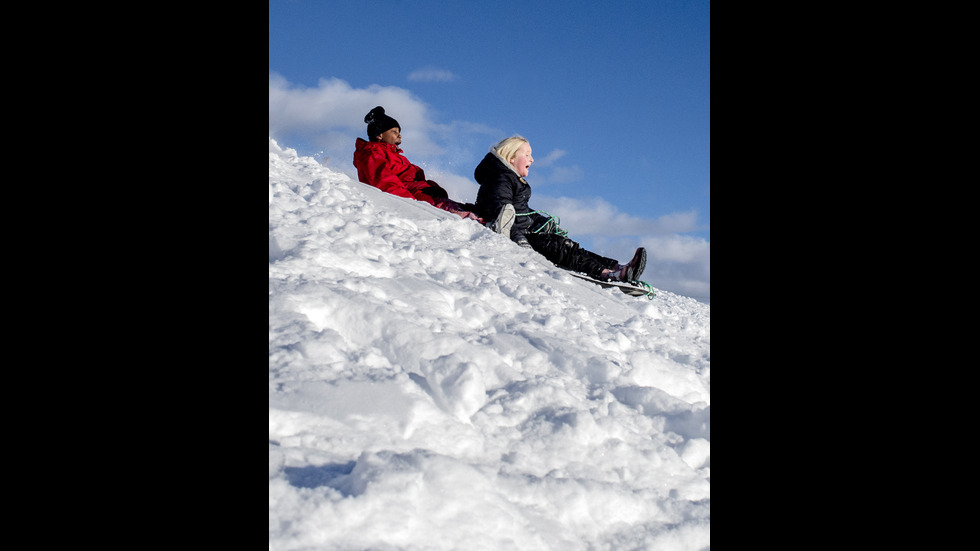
(434, 386)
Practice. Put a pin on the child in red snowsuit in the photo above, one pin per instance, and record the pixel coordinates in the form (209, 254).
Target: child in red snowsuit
(380, 163)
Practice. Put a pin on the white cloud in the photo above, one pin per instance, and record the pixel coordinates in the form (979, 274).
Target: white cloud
(556, 174)
(564, 175)
(460, 188)
(325, 120)
(550, 158)
(680, 263)
(331, 116)
(598, 217)
(333, 106)
(431, 74)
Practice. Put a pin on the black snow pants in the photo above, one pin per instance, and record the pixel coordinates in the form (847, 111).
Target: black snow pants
(570, 255)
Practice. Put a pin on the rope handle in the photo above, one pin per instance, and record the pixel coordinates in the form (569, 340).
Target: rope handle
(649, 289)
(544, 226)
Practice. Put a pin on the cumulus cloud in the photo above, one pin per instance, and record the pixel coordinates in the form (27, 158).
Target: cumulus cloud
(461, 188)
(565, 174)
(335, 107)
(550, 158)
(679, 263)
(556, 173)
(598, 217)
(675, 261)
(327, 118)
(431, 74)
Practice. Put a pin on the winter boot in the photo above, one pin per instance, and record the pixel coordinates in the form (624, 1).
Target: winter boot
(504, 221)
(632, 270)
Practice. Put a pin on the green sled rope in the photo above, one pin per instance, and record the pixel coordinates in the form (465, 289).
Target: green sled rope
(548, 226)
(650, 292)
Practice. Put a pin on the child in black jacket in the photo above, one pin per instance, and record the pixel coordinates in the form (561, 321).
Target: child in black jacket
(503, 199)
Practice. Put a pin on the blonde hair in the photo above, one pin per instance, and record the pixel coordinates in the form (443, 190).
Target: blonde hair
(506, 149)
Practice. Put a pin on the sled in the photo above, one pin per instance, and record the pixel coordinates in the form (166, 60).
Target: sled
(632, 288)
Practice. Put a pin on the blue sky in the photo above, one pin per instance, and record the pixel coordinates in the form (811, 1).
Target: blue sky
(613, 96)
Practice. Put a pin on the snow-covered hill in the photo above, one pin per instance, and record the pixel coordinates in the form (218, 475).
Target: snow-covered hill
(434, 386)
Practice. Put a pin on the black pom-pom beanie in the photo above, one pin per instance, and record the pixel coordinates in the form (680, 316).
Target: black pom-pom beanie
(379, 123)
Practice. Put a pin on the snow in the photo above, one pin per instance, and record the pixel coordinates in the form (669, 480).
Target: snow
(434, 386)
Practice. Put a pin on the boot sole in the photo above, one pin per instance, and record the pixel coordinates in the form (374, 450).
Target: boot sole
(505, 220)
(633, 271)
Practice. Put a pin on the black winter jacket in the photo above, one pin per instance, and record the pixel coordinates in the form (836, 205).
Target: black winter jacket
(500, 185)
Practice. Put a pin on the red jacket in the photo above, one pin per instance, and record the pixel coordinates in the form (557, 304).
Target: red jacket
(383, 166)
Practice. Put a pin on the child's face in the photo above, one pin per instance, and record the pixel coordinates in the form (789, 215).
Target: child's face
(522, 160)
(392, 136)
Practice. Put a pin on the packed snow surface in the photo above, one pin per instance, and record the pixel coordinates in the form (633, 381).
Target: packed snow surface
(433, 386)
